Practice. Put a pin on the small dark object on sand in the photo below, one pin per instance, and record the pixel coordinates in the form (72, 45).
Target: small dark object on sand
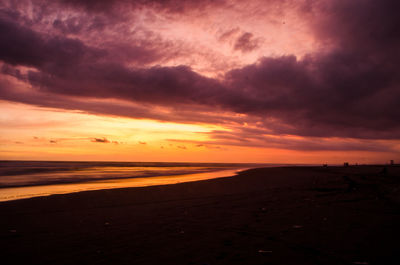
(384, 171)
(351, 183)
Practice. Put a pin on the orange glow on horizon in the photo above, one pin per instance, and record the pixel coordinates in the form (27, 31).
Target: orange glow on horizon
(34, 133)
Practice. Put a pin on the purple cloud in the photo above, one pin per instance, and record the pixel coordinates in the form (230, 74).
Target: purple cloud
(246, 42)
(349, 89)
(173, 6)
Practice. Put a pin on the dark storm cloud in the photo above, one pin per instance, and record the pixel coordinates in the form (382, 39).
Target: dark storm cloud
(79, 25)
(161, 85)
(174, 6)
(349, 89)
(246, 42)
(23, 46)
(334, 94)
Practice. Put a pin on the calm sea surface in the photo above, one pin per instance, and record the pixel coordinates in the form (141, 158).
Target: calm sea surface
(27, 179)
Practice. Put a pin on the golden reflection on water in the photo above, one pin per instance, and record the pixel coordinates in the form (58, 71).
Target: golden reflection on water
(9, 194)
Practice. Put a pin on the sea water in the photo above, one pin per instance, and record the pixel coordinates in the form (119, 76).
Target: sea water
(27, 179)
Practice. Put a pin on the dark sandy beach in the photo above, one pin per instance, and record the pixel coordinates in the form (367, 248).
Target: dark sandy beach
(298, 215)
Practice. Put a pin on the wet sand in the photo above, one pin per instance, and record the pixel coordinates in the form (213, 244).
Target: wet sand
(298, 215)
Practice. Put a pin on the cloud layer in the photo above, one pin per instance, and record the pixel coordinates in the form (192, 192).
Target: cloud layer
(347, 87)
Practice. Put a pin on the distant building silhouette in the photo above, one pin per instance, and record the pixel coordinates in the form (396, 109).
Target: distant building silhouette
(391, 162)
(346, 164)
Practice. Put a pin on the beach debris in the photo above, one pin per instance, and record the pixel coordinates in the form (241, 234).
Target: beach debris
(263, 209)
(361, 262)
(181, 232)
(13, 231)
(264, 251)
(351, 183)
(106, 223)
(384, 171)
(297, 226)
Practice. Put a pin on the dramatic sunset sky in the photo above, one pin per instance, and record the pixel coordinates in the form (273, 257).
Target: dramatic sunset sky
(275, 81)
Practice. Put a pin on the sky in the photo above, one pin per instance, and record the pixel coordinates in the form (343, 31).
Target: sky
(263, 81)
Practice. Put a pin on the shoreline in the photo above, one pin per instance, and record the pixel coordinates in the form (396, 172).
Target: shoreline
(39, 190)
(286, 215)
(87, 180)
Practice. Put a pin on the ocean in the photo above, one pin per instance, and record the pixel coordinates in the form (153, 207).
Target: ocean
(27, 179)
